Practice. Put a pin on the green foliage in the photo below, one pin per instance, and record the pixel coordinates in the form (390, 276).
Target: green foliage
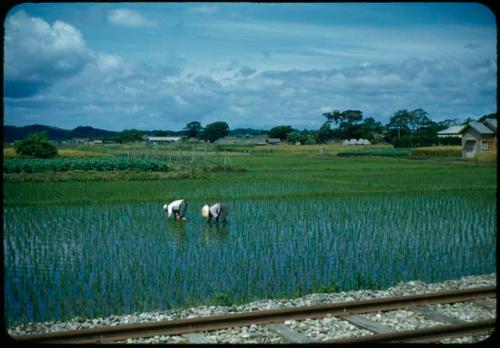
(35, 145)
(304, 138)
(412, 129)
(214, 131)
(21, 165)
(325, 133)
(193, 129)
(130, 135)
(280, 132)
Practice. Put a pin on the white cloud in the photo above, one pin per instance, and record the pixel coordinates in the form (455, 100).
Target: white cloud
(38, 52)
(129, 18)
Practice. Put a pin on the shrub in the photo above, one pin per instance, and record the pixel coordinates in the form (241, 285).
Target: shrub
(486, 157)
(35, 145)
(437, 151)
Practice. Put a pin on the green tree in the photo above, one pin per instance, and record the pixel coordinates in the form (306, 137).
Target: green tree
(412, 128)
(371, 130)
(399, 123)
(36, 145)
(193, 129)
(324, 133)
(304, 137)
(484, 117)
(347, 123)
(214, 131)
(130, 135)
(280, 132)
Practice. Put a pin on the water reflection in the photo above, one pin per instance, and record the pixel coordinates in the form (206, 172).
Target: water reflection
(215, 233)
(177, 231)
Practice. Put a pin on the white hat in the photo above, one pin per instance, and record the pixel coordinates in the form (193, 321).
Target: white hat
(165, 207)
(204, 211)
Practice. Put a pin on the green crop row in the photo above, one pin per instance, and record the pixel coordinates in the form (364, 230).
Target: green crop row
(25, 165)
(385, 152)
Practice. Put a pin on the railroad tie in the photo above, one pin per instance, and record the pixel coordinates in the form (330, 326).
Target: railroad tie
(368, 324)
(432, 314)
(196, 337)
(288, 334)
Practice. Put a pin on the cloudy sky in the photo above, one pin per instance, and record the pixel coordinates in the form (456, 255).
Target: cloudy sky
(161, 65)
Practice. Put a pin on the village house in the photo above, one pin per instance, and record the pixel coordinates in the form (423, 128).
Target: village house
(247, 140)
(273, 141)
(478, 137)
(161, 140)
(451, 132)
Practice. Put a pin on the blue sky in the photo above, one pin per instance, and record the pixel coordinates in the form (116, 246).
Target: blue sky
(161, 65)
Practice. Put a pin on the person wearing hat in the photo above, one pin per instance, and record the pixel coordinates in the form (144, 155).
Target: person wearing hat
(177, 209)
(217, 211)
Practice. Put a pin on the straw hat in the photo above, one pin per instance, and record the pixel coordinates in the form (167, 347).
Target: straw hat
(205, 211)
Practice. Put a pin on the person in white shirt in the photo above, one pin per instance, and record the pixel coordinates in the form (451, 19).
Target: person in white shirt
(218, 211)
(176, 209)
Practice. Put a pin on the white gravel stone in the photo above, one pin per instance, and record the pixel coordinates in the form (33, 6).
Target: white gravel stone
(318, 329)
(401, 320)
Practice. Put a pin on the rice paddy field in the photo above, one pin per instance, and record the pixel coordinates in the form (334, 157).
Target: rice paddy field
(298, 223)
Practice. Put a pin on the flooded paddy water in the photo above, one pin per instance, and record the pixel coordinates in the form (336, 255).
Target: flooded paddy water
(63, 261)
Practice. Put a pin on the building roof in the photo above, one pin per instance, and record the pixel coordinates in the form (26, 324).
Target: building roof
(478, 127)
(163, 138)
(273, 140)
(491, 123)
(452, 129)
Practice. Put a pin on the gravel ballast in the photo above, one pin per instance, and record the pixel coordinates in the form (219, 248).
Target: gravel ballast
(316, 329)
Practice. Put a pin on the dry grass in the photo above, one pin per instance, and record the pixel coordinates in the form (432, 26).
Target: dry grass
(437, 151)
(9, 152)
(486, 157)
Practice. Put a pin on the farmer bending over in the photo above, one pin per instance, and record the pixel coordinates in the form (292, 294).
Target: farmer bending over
(217, 211)
(177, 209)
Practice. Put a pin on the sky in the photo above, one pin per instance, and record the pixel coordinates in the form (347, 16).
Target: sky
(153, 66)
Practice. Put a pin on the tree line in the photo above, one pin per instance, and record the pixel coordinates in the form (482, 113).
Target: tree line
(406, 128)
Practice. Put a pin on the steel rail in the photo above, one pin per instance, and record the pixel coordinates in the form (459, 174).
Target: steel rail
(427, 335)
(181, 326)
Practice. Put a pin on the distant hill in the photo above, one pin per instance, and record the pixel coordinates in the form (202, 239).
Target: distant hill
(13, 133)
(90, 132)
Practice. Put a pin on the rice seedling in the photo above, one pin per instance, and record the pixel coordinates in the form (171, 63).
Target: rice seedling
(90, 249)
(102, 260)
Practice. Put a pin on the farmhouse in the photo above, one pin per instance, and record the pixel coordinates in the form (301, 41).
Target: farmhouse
(247, 140)
(273, 141)
(477, 137)
(451, 132)
(158, 140)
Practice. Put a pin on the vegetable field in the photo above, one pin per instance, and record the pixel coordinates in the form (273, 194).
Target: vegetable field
(296, 225)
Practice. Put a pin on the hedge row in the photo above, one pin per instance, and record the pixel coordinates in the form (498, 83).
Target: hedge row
(386, 152)
(32, 165)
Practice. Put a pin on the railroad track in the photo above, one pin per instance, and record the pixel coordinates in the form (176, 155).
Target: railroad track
(346, 311)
